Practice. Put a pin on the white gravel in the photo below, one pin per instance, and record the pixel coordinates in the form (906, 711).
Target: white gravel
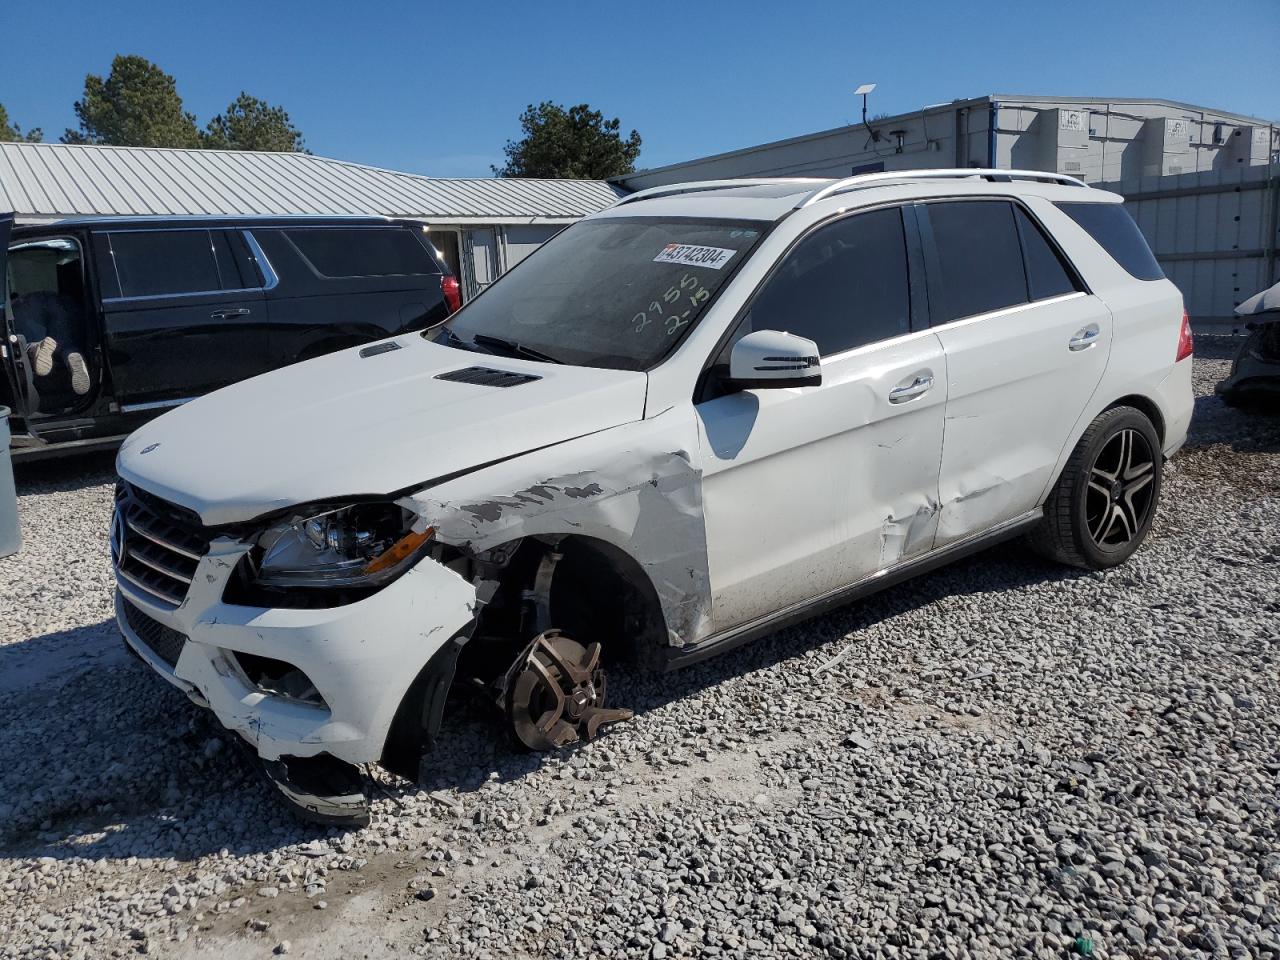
(1008, 759)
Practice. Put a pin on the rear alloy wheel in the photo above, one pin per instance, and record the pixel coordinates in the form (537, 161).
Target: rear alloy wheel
(1102, 506)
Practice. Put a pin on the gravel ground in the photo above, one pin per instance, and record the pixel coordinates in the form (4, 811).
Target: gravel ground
(1005, 758)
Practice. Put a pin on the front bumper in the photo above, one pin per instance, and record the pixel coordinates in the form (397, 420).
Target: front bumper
(361, 657)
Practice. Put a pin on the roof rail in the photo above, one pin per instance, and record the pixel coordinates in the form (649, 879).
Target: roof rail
(986, 173)
(702, 186)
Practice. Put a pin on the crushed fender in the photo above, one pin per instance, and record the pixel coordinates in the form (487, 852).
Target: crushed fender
(646, 501)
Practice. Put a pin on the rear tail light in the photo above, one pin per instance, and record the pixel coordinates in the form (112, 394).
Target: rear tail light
(452, 292)
(1185, 344)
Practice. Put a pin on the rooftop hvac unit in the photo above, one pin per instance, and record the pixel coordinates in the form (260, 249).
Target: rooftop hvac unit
(1064, 139)
(1249, 146)
(1166, 147)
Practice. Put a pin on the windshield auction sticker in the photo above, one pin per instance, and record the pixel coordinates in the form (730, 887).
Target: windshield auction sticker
(690, 255)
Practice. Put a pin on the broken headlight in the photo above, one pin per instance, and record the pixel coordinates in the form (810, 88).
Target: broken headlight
(361, 545)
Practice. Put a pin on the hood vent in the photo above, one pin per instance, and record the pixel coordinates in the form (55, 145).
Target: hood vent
(374, 349)
(487, 377)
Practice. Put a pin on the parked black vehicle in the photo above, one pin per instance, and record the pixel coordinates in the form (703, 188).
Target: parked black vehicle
(108, 322)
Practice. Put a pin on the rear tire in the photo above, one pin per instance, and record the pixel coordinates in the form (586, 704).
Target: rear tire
(1102, 506)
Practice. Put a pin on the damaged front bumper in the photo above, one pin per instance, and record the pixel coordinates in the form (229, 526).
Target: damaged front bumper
(1255, 372)
(360, 659)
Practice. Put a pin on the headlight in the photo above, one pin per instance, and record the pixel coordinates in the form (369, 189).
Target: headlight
(361, 545)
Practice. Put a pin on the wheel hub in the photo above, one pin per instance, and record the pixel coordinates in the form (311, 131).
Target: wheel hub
(555, 693)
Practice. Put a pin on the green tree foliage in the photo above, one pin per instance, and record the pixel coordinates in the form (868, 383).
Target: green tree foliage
(136, 105)
(11, 131)
(578, 143)
(252, 124)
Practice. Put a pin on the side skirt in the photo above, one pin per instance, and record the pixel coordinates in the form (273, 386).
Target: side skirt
(678, 657)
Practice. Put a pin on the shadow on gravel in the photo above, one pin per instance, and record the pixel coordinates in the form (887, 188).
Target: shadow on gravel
(474, 743)
(1244, 430)
(38, 660)
(61, 474)
(133, 769)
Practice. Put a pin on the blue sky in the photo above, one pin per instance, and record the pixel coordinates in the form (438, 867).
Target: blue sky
(437, 88)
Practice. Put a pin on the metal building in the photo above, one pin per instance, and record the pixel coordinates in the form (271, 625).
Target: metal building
(482, 227)
(1203, 184)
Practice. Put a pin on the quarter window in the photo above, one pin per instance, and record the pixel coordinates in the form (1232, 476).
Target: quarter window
(363, 252)
(152, 263)
(234, 268)
(1114, 230)
(979, 255)
(1047, 275)
(843, 286)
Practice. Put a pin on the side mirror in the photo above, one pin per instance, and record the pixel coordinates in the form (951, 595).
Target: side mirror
(771, 358)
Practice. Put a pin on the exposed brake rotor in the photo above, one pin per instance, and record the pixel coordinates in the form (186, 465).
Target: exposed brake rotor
(555, 693)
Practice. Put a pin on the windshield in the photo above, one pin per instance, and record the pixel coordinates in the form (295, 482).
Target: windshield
(615, 293)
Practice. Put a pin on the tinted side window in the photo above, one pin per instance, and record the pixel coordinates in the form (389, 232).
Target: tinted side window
(980, 257)
(843, 286)
(233, 262)
(363, 252)
(153, 263)
(1047, 275)
(1115, 231)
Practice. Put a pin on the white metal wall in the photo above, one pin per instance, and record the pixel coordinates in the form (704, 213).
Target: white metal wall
(1215, 233)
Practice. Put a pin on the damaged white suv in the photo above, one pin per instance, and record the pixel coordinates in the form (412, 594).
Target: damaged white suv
(710, 410)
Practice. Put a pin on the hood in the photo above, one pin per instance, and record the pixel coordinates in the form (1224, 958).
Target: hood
(370, 420)
(1266, 301)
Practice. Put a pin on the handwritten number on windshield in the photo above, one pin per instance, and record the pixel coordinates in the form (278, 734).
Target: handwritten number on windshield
(675, 320)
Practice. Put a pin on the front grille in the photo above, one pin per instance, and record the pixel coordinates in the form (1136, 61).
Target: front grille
(165, 642)
(156, 545)
(487, 377)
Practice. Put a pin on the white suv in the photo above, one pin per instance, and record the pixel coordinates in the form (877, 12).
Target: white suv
(708, 411)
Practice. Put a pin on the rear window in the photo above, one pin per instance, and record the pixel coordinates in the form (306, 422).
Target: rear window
(980, 256)
(362, 251)
(1115, 231)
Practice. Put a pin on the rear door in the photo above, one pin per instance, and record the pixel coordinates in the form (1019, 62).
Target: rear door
(343, 285)
(1026, 346)
(183, 310)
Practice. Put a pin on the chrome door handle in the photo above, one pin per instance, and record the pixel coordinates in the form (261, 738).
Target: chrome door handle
(228, 314)
(909, 391)
(1084, 339)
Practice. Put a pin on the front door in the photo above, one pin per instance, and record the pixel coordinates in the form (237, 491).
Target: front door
(184, 313)
(1026, 347)
(12, 381)
(807, 490)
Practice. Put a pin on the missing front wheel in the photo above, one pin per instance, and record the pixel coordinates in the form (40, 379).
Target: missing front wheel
(554, 693)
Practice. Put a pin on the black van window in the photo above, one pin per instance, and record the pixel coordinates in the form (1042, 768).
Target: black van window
(153, 263)
(1047, 275)
(980, 257)
(233, 261)
(363, 251)
(843, 286)
(1115, 231)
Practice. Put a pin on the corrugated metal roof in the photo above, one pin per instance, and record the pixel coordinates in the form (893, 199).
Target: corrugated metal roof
(54, 180)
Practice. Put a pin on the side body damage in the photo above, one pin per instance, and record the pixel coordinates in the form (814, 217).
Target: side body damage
(637, 488)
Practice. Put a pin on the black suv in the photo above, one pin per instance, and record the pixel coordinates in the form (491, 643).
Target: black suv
(107, 322)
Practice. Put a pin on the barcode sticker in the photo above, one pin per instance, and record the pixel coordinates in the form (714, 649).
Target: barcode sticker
(690, 255)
